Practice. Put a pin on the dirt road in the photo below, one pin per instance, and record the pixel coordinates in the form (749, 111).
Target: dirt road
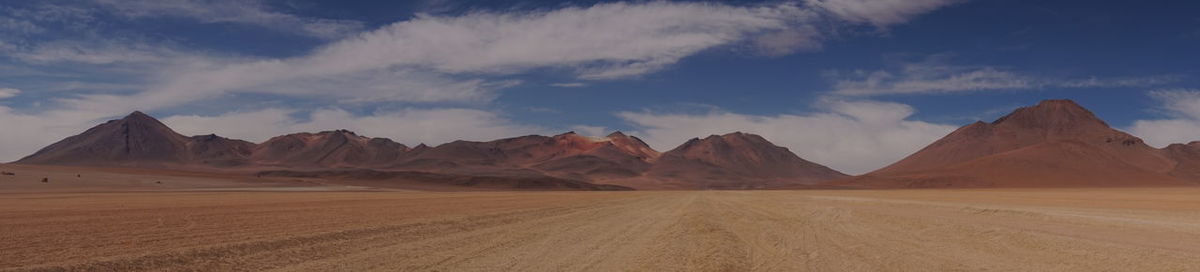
(1046, 229)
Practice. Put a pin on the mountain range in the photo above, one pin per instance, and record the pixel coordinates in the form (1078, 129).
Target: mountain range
(1056, 143)
(732, 161)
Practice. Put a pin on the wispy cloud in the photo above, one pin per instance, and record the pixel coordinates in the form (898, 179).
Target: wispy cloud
(880, 13)
(250, 12)
(99, 52)
(935, 76)
(440, 58)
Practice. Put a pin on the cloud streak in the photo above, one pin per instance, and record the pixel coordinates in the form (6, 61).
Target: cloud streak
(934, 76)
(448, 58)
(6, 93)
(880, 13)
(248, 12)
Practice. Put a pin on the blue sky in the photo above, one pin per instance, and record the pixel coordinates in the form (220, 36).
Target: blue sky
(853, 84)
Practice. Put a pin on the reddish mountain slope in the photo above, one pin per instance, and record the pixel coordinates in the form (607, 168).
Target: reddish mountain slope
(1056, 143)
(141, 140)
(736, 160)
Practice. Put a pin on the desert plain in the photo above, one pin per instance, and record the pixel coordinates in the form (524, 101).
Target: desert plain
(126, 221)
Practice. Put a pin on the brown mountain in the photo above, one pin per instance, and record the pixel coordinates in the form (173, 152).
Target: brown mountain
(732, 161)
(1056, 143)
(141, 140)
(339, 148)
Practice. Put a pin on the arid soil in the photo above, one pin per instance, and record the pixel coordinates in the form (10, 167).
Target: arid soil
(911, 230)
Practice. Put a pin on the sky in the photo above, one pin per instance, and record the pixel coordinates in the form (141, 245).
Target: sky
(851, 84)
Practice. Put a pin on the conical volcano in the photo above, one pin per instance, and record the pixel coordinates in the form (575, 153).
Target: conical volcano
(1052, 144)
(140, 140)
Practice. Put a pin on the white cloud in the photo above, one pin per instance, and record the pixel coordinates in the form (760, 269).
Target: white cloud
(880, 13)
(601, 41)
(6, 93)
(249, 12)
(408, 126)
(586, 130)
(851, 136)
(934, 76)
(1183, 126)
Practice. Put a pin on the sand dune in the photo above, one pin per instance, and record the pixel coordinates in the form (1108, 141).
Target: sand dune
(1050, 229)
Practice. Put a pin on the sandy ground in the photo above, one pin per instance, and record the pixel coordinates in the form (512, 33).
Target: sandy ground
(909, 230)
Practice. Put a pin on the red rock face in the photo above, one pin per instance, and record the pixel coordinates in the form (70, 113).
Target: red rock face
(1053, 144)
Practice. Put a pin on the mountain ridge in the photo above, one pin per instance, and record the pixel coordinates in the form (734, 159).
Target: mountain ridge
(139, 140)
